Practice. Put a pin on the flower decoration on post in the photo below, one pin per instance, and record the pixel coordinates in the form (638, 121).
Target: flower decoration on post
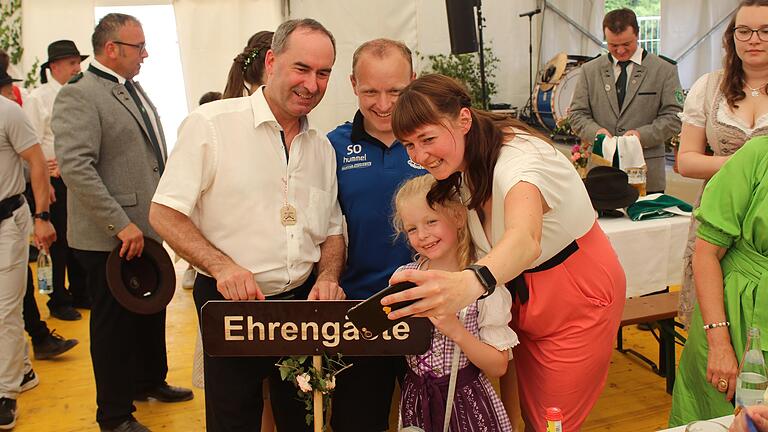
(308, 379)
(580, 157)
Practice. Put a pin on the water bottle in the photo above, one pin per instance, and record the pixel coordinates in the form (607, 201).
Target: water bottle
(752, 380)
(44, 273)
(554, 418)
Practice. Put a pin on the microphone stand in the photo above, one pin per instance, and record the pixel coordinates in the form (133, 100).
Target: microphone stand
(529, 113)
(480, 50)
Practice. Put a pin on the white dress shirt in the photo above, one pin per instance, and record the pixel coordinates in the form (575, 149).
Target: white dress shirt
(38, 107)
(228, 172)
(636, 59)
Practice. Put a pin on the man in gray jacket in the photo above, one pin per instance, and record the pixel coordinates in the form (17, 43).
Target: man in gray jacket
(111, 152)
(629, 91)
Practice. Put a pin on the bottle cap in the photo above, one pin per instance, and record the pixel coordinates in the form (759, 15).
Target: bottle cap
(554, 413)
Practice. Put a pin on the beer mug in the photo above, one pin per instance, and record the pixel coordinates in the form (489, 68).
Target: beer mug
(637, 179)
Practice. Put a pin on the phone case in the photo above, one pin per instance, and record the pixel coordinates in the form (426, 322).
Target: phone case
(370, 316)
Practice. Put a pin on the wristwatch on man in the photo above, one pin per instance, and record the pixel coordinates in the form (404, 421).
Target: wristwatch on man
(484, 275)
(44, 216)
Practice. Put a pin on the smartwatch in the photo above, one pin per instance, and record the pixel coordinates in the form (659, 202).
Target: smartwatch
(485, 277)
(44, 216)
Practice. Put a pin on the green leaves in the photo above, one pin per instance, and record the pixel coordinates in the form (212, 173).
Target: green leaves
(466, 68)
(10, 29)
(10, 38)
(297, 369)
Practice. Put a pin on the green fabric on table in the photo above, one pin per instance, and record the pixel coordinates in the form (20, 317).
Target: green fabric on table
(654, 209)
(733, 215)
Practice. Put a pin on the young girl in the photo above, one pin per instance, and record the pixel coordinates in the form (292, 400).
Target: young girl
(440, 237)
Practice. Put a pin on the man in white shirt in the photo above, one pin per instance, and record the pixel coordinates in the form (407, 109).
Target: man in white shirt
(64, 63)
(249, 197)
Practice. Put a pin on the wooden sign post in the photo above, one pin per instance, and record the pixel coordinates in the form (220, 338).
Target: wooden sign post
(297, 327)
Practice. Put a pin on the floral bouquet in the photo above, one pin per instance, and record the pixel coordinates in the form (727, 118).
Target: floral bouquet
(307, 379)
(580, 157)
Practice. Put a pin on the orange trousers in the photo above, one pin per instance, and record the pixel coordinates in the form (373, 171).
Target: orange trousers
(567, 330)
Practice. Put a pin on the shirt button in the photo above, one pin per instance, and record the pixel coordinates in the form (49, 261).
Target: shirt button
(111, 227)
(621, 130)
(155, 169)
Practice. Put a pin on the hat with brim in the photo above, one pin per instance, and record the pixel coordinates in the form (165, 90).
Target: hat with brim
(145, 284)
(609, 188)
(58, 50)
(6, 79)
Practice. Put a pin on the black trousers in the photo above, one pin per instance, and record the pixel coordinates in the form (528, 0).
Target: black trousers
(127, 349)
(35, 327)
(363, 395)
(233, 385)
(62, 257)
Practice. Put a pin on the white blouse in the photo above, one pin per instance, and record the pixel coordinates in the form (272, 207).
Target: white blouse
(528, 159)
(693, 110)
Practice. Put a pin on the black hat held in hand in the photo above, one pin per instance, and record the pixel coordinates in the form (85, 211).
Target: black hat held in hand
(145, 284)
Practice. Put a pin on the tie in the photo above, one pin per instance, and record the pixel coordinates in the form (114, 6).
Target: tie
(621, 83)
(150, 129)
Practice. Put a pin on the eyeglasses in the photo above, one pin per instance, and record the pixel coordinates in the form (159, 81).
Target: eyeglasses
(744, 33)
(142, 47)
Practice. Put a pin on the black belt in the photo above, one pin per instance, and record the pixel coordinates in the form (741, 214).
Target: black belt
(517, 286)
(9, 205)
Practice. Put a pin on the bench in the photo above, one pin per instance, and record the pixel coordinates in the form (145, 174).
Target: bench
(660, 308)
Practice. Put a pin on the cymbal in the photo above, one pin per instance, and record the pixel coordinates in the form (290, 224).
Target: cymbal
(552, 71)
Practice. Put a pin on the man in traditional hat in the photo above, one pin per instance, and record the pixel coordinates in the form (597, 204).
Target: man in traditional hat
(64, 63)
(111, 152)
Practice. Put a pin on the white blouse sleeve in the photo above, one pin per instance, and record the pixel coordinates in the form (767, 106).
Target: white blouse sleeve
(693, 110)
(494, 314)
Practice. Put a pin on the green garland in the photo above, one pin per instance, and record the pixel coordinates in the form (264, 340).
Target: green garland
(10, 38)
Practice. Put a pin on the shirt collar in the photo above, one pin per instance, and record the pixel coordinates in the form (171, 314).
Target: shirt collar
(53, 84)
(262, 113)
(95, 63)
(360, 134)
(637, 57)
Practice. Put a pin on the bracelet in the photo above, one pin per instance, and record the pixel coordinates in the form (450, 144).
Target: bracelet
(716, 325)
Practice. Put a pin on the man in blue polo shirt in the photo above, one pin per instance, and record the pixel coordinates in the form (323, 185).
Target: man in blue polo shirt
(370, 165)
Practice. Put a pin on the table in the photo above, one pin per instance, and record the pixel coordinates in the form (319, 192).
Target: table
(725, 421)
(650, 251)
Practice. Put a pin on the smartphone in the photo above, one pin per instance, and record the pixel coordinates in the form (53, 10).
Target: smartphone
(370, 316)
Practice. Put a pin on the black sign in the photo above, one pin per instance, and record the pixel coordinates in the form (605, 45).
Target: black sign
(293, 327)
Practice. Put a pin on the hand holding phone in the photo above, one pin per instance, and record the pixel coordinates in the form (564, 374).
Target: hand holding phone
(370, 316)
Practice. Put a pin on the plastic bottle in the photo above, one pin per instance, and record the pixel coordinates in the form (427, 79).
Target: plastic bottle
(752, 380)
(554, 417)
(44, 273)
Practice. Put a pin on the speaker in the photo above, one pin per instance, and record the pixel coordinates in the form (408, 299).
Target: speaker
(461, 26)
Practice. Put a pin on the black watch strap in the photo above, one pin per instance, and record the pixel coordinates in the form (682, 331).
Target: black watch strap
(486, 278)
(42, 216)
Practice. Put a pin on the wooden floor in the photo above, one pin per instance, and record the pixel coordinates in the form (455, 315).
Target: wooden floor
(634, 398)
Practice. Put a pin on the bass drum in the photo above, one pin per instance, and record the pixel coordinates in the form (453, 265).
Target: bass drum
(551, 101)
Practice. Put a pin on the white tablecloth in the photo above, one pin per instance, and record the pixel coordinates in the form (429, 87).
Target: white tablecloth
(651, 251)
(725, 421)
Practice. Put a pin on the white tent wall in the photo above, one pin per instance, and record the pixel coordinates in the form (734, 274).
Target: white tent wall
(44, 21)
(212, 33)
(558, 35)
(683, 22)
(423, 26)
(353, 22)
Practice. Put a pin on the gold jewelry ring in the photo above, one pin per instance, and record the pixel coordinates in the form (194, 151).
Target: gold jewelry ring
(722, 385)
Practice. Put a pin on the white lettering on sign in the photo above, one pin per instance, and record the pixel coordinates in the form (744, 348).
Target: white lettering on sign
(332, 332)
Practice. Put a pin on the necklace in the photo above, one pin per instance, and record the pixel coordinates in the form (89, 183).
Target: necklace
(755, 92)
